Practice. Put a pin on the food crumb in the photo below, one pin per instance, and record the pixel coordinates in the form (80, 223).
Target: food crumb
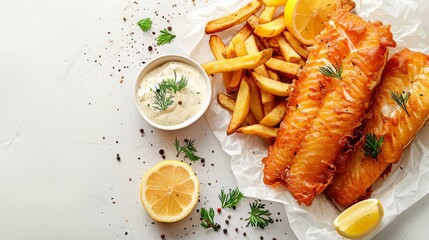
(118, 157)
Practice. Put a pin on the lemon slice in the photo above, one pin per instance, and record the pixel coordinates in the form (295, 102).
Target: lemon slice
(306, 18)
(169, 191)
(359, 219)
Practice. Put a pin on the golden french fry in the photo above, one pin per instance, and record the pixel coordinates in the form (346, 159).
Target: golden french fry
(229, 103)
(259, 130)
(300, 48)
(253, 22)
(242, 105)
(283, 66)
(244, 33)
(255, 100)
(272, 28)
(269, 106)
(234, 18)
(273, 75)
(249, 61)
(272, 86)
(275, 3)
(267, 15)
(287, 51)
(276, 115)
(234, 83)
(217, 47)
(252, 47)
(239, 47)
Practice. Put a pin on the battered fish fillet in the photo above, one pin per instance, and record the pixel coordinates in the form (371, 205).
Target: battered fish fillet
(344, 105)
(405, 72)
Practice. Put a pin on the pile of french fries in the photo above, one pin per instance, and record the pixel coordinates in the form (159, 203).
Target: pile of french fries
(258, 66)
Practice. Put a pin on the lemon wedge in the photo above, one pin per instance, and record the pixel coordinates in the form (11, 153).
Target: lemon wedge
(169, 191)
(359, 219)
(306, 18)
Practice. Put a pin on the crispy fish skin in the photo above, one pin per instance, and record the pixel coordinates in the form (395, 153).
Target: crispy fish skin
(343, 107)
(405, 71)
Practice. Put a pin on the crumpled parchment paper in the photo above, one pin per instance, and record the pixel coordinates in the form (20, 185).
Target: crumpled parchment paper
(409, 179)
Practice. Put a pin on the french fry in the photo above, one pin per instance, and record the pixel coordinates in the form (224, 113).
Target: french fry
(249, 61)
(267, 15)
(297, 45)
(217, 46)
(241, 108)
(272, 86)
(272, 28)
(229, 103)
(275, 3)
(283, 66)
(276, 115)
(234, 18)
(234, 83)
(287, 51)
(269, 106)
(273, 75)
(239, 46)
(255, 100)
(259, 130)
(244, 33)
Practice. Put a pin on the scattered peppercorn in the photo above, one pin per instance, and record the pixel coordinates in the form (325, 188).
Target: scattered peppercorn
(227, 221)
(203, 160)
(262, 238)
(229, 216)
(236, 229)
(219, 210)
(234, 207)
(162, 235)
(225, 230)
(161, 151)
(126, 233)
(244, 234)
(150, 48)
(169, 28)
(118, 157)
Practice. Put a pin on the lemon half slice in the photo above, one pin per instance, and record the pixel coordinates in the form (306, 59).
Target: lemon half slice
(359, 219)
(169, 191)
(306, 18)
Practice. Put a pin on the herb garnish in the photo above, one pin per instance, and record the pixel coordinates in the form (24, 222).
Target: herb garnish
(188, 149)
(145, 24)
(259, 217)
(331, 70)
(162, 99)
(208, 219)
(401, 99)
(231, 199)
(165, 37)
(372, 146)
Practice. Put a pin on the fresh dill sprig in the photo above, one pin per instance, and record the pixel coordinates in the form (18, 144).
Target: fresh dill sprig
(372, 146)
(145, 24)
(188, 149)
(208, 219)
(165, 37)
(163, 99)
(173, 84)
(331, 70)
(259, 216)
(231, 199)
(401, 99)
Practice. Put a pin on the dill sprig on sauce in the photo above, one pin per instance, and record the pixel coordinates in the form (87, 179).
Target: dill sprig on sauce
(230, 199)
(165, 37)
(259, 216)
(372, 146)
(331, 70)
(163, 99)
(188, 149)
(208, 219)
(401, 99)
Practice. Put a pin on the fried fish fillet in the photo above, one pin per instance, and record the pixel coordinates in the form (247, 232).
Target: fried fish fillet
(323, 111)
(406, 72)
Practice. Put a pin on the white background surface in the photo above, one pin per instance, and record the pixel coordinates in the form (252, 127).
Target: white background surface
(59, 179)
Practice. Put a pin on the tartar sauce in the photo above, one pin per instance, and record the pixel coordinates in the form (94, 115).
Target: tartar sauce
(186, 102)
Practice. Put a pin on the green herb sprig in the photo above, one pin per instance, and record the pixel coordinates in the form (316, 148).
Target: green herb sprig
(230, 199)
(188, 149)
(259, 216)
(163, 99)
(165, 37)
(208, 219)
(401, 99)
(372, 146)
(145, 24)
(331, 70)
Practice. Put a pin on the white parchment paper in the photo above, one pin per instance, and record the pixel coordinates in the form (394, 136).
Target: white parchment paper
(409, 179)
